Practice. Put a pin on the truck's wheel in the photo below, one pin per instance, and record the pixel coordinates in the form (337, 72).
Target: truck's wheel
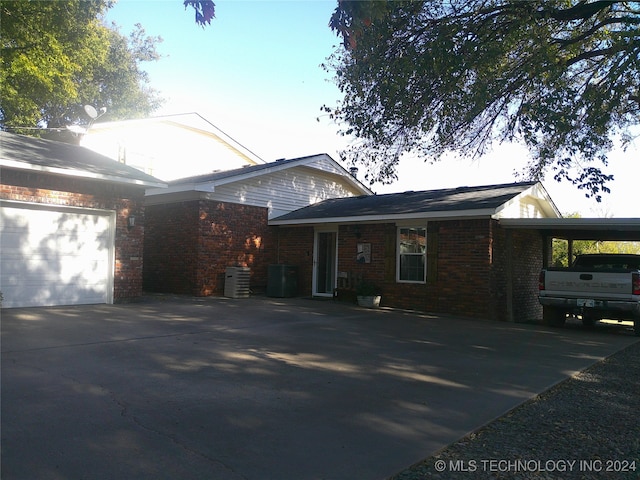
(588, 320)
(554, 317)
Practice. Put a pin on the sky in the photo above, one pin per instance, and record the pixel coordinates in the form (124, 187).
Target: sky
(256, 74)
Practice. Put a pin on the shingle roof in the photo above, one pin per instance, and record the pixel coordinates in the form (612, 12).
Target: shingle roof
(210, 177)
(486, 198)
(22, 152)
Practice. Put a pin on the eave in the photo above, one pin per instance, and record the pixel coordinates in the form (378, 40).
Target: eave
(77, 173)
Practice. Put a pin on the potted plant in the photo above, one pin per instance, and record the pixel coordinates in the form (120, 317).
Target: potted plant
(368, 294)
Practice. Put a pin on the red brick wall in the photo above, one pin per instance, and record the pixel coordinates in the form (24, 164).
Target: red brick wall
(171, 248)
(464, 266)
(232, 235)
(470, 267)
(526, 262)
(294, 246)
(189, 245)
(36, 187)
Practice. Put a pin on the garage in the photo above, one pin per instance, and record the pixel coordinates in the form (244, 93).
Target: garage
(71, 225)
(55, 256)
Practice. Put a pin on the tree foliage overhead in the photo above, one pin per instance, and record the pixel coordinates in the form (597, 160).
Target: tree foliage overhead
(431, 76)
(58, 56)
(205, 10)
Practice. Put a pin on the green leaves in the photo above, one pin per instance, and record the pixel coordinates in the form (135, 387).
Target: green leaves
(57, 56)
(427, 77)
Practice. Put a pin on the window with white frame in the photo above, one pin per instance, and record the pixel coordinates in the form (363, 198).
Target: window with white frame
(412, 254)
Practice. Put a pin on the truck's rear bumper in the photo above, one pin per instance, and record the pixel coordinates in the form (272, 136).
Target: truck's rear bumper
(571, 304)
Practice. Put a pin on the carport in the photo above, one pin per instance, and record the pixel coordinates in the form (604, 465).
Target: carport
(570, 229)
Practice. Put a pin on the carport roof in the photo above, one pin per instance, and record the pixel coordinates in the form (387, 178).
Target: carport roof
(622, 229)
(461, 202)
(29, 153)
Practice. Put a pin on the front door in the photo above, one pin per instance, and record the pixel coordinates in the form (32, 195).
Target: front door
(324, 263)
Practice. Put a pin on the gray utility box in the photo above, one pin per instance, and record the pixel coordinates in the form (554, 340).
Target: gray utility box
(282, 281)
(236, 282)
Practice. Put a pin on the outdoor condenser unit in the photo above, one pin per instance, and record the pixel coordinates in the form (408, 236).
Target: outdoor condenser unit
(236, 282)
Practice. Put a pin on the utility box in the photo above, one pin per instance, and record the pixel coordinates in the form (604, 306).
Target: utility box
(282, 281)
(236, 282)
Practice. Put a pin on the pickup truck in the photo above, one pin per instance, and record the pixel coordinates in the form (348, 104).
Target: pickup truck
(596, 286)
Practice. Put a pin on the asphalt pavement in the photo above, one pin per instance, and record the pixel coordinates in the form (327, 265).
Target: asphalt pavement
(262, 388)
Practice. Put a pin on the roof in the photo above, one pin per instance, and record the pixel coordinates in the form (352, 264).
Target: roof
(238, 172)
(249, 171)
(169, 146)
(451, 202)
(47, 156)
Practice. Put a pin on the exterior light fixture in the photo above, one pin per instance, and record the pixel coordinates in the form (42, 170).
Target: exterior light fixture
(131, 221)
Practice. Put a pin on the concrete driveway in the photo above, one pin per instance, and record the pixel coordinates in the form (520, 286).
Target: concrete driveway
(261, 388)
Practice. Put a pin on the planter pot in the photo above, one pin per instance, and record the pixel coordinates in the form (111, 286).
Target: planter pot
(369, 301)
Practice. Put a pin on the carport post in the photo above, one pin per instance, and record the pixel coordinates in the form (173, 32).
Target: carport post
(570, 251)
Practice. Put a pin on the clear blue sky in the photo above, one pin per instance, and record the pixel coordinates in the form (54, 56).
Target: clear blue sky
(255, 73)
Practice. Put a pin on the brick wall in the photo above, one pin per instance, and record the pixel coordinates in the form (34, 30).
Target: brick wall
(294, 246)
(171, 248)
(232, 235)
(468, 276)
(36, 187)
(464, 264)
(526, 261)
(189, 245)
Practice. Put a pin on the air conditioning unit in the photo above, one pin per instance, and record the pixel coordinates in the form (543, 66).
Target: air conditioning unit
(236, 282)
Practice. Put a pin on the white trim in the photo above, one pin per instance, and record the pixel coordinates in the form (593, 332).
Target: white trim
(111, 214)
(398, 280)
(181, 120)
(274, 167)
(572, 223)
(314, 278)
(443, 215)
(536, 192)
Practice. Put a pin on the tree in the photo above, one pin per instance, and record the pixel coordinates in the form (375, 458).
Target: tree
(58, 56)
(205, 10)
(427, 77)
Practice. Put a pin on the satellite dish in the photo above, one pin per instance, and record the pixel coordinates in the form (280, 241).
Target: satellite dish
(91, 111)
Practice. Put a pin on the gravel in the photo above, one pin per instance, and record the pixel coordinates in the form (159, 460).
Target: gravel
(587, 427)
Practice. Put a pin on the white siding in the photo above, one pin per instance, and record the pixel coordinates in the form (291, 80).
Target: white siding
(286, 190)
(526, 207)
(169, 148)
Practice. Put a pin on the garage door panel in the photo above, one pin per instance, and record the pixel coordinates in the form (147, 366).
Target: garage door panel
(55, 256)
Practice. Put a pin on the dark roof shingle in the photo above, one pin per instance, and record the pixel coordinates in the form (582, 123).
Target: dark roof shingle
(69, 159)
(220, 175)
(444, 200)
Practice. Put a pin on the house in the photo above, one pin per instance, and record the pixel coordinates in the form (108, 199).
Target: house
(169, 147)
(71, 224)
(441, 251)
(199, 226)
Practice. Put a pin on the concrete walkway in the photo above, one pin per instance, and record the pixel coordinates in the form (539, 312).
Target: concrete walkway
(260, 388)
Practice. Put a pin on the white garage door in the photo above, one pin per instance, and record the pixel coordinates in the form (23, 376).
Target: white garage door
(55, 255)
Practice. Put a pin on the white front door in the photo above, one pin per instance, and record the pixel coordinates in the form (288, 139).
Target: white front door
(324, 263)
(55, 255)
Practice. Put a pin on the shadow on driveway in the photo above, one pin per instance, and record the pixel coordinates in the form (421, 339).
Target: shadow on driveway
(262, 388)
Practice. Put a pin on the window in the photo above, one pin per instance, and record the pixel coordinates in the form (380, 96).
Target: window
(412, 253)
